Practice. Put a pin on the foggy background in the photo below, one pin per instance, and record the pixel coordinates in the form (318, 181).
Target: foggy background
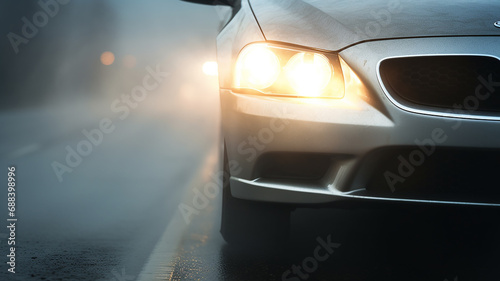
(108, 212)
(61, 61)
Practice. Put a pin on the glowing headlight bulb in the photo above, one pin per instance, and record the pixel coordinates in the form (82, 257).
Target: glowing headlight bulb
(309, 73)
(257, 67)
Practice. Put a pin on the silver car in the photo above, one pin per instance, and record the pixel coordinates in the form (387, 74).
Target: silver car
(338, 101)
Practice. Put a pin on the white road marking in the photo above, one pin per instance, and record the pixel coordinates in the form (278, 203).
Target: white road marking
(161, 263)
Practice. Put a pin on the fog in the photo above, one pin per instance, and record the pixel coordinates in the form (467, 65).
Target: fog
(107, 116)
(61, 59)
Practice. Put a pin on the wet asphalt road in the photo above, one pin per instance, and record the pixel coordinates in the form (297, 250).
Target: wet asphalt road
(116, 215)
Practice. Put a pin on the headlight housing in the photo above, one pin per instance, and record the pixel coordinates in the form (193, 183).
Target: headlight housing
(271, 69)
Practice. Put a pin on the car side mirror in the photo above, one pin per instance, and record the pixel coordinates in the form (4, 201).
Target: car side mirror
(213, 2)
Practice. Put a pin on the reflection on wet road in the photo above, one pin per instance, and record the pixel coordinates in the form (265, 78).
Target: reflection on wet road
(365, 243)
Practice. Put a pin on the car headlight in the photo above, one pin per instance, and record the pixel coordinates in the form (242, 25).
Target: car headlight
(277, 70)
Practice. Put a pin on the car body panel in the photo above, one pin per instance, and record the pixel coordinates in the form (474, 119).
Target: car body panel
(336, 24)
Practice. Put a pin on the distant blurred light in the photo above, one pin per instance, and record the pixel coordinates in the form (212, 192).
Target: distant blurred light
(210, 68)
(107, 58)
(129, 61)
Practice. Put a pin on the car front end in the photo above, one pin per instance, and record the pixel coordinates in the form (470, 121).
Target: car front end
(408, 114)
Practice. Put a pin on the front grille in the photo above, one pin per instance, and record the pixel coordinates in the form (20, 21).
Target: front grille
(444, 82)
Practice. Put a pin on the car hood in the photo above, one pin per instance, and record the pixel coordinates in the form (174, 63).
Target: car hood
(336, 24)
